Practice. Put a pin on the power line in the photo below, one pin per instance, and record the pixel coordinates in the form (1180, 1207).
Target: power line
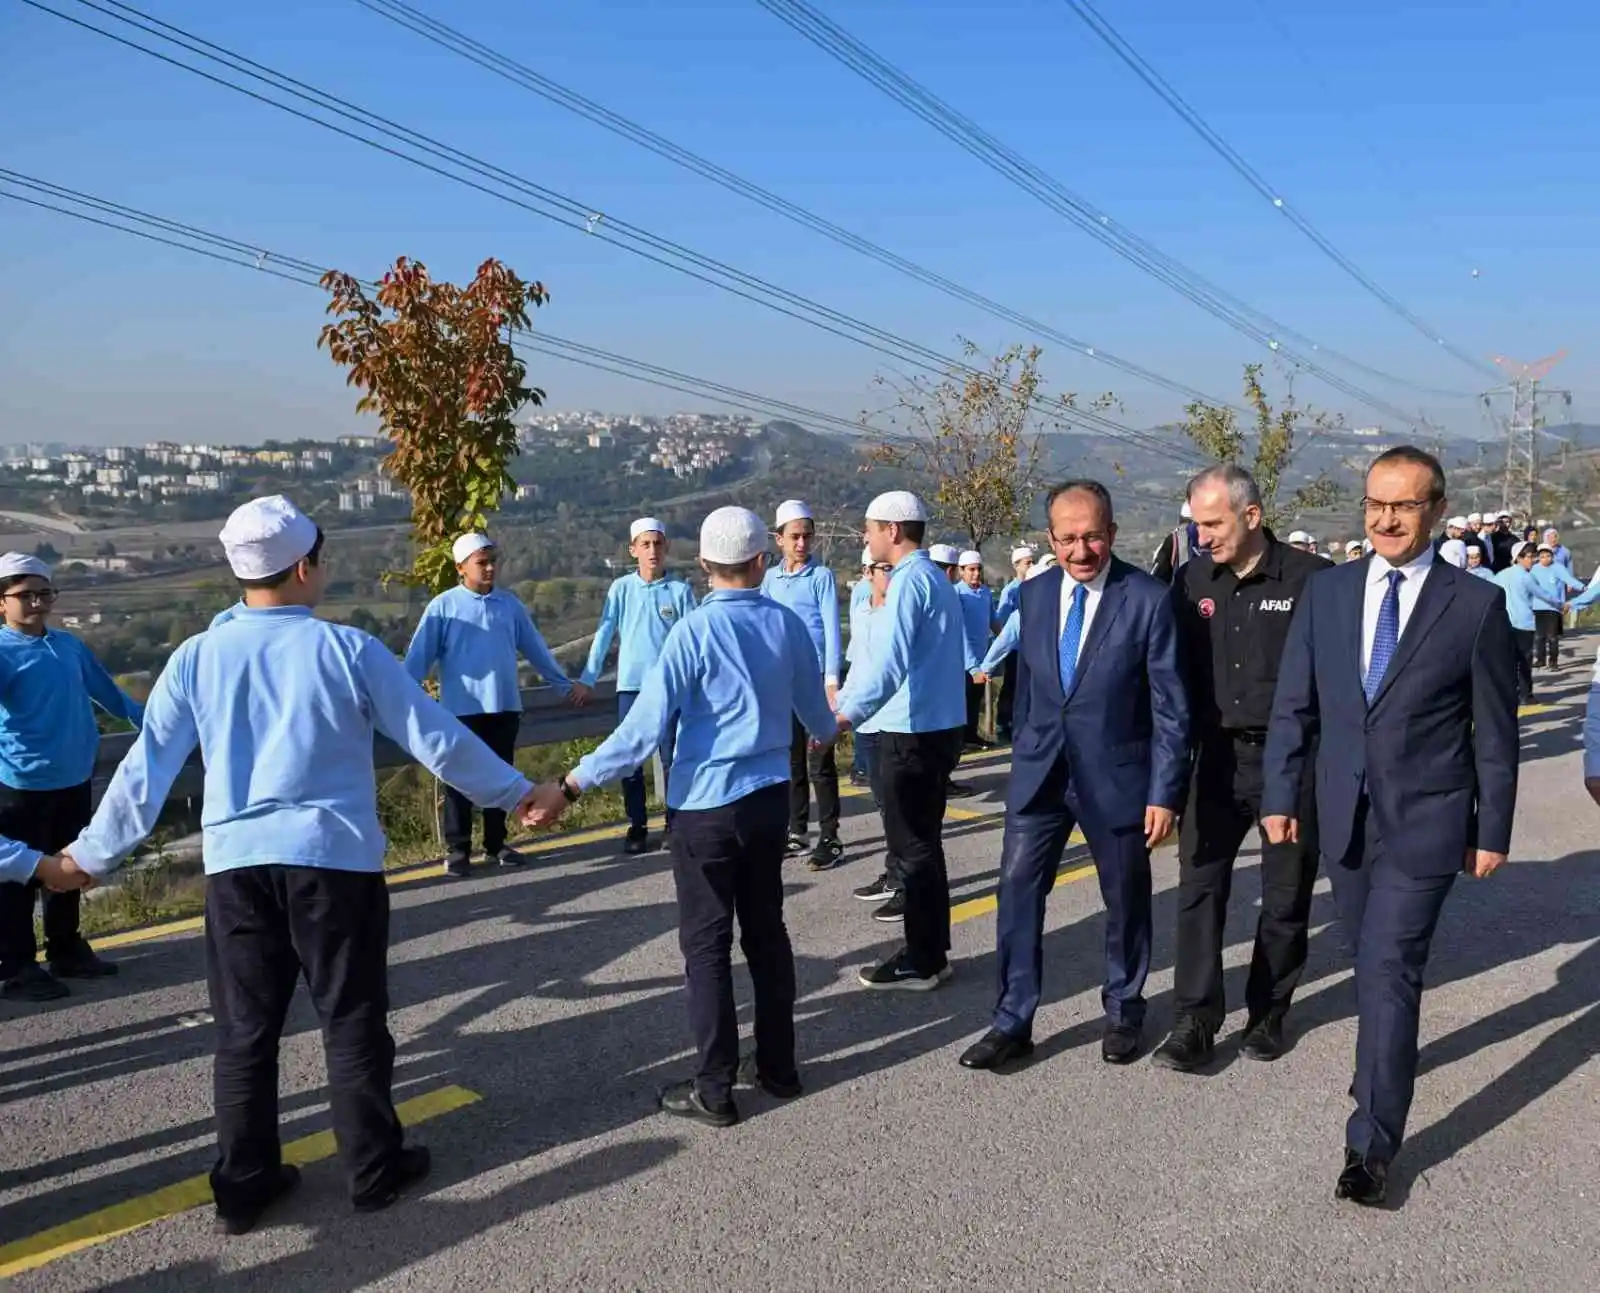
(972, 138)
(1118, 44)
(449, 38)
(439, 159)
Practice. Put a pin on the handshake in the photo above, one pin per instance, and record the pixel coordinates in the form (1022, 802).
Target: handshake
(543, 805)
(60, 874)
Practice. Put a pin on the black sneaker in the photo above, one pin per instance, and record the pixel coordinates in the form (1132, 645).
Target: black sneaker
(410, 1166)
(243, 1222)
(510, 858)
(1265, 1039)
(958, 790)
(637, 842)
(898, 974)
(877, 891)
(683, 1100)
(750, 1076)
(34, 983)
(827, 855)
(794, 846)
(82, 963)
(893, 911)
(457, 867)
(1190, 1046)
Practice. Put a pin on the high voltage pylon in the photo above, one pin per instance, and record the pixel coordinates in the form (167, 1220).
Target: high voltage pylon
(1525, 398)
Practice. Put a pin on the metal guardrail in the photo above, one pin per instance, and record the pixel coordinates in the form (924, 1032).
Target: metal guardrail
(546, 720)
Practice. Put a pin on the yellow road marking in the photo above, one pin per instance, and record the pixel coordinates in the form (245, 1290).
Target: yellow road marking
(97, 1227)
(1528, 711)
(974, 907)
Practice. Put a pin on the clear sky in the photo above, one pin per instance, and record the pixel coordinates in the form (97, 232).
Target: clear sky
(1426, 140)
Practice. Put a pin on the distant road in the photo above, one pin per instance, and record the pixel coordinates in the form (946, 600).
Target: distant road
(55, 524)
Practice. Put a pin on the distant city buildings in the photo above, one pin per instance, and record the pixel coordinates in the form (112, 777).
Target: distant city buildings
(684, 444)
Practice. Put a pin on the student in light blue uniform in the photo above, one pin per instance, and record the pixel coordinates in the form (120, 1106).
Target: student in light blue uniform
(861, 600)
(736, 674)
(1010, 635)
(911, 695)
(1523, 597)
(49, 685)
(644, 606)
(1022, 562)
(807, 587)
(866, 618)
(283, 707)
(977, 618)
(1477, 566)
(473, 634)
(1555, 581)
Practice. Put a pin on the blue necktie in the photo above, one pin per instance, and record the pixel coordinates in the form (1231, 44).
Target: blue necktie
(1072, 637)
(1387, 636)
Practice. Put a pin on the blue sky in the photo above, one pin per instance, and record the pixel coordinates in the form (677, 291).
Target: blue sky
(1426, 140)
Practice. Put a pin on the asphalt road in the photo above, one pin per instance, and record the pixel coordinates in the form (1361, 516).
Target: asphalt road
(554, 997)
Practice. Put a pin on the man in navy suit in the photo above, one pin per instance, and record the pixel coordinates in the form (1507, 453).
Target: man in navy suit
(1405, 669)
(1099, 740)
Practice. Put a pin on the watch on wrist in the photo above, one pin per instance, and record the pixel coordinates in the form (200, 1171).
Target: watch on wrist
(571, 792)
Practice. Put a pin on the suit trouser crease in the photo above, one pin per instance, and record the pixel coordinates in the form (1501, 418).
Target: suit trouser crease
(811, 770)
(727, 863)
(265, 927)
(635, 796)
(47, 820)
(1224, 807)
(913, 768)
(499, 733)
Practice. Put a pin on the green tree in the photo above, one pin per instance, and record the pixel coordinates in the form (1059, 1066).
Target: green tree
(434, 361)
(1270, 445)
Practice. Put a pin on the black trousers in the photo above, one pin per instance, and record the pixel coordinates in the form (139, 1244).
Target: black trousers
(499, 733)
(1524, 641)
(266, 926)
(1007, 702)
(728, 862)
(47, 820)
(913, 769)
(812, 770)
(975, 694)
(1224, 807)
(1547, 638)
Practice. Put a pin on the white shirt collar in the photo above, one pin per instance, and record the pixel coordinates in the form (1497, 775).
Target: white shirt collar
(1378, 568)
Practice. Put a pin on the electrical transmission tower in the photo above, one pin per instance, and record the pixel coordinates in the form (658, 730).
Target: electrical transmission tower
(1525, 399)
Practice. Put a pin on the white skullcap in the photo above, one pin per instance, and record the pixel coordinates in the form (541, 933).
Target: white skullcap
(970, 557)
(1456, 523)
(16, 565)
(1455, 552)
(793, 509)
(1502, 516)
(266, 536)
(1299, 536)
(1526, 548)
(730, 536)
(644, 525)
(1186, 513)
(1475, 516)
(467, 544)
(897, 505)
(946, 554)
(1545, 547)
(1353, 546)
(1020, 554)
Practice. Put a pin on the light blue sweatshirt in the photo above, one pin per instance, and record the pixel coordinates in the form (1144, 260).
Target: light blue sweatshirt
(813, 595)
(48, 687)
(223, 616)
(1004, 644)
(1523, 596)
(645, 612)
(17, 862)
(1555, 580)
(1010, 599)
(913, 677)
(862, 616)
(977, 614)
(283, 706)
(474, 639)
(735, 674)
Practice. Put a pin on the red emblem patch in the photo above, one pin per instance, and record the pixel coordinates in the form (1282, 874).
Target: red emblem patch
(1208, 608)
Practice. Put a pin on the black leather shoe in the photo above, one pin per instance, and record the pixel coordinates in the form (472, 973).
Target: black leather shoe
(637, 842)
(1265, 1038)
(750, 1076)
(995, 1049)
(82, 963)
(1364, 1181)
(683, 1100)
(412, 1164)
(243, 1222)
(457, 867)
(1120, 1045)
(1190, 1046)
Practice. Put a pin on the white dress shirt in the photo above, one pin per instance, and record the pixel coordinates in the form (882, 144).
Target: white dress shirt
(1415, 571)
(1091, 603)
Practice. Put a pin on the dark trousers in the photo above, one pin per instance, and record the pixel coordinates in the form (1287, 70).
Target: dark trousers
(728, 862)
(1030, 853)
(1224, 807)
(499, 733)
(1547, 638)
(812, 770)
(266, 926)
(913, 768)
(1007, 702)
(866, 759)
(47, 820)
(1524, 641)
(1388, 917)
(975, 694)
(634, 797)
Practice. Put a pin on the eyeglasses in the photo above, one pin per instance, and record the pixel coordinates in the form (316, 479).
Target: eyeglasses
(1404, 507)
(1093, 539)
(44, 597)
(881, 568)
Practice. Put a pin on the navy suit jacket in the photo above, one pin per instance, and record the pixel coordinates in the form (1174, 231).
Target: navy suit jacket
(1435, 753)
(1123, 729)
